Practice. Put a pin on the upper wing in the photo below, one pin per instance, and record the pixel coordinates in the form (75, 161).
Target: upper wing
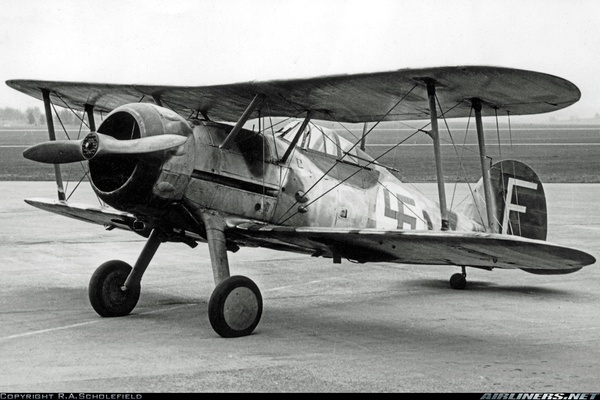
(345, 98)
(472, 249)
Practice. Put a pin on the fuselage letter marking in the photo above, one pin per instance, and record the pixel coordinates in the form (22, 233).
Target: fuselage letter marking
(509, 205)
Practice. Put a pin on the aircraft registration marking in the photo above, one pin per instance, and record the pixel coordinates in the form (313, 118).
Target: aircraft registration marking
(510, 206)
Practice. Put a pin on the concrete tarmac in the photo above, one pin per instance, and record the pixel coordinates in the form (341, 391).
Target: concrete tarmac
(326, 327)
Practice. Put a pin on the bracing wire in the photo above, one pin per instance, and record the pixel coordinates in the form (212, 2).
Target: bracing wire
(369, 163)
(82, 122)
(76, 186)
(499, 153)
(395, 147)
(69, 107)
(355, 144)
(273, 125)
(514, 171)
(510, 133)
(459, 158)
(66, 134)
(272, 130)
(498, 134)
(79, 132)
(60, 121)
(345, 179)
(462, 152)
(499, 149)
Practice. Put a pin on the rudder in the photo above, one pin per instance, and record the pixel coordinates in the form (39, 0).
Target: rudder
(519, 197)
(520, 200)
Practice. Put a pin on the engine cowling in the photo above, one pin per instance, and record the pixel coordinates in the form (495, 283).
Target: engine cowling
(149, 181)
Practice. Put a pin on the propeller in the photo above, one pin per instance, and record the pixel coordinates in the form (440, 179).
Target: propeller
(97, 145)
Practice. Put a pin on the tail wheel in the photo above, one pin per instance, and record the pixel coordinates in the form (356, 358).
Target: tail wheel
(235, 307)
(458, 281)
(106, 291)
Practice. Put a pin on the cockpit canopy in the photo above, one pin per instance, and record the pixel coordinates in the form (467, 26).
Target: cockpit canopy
(325, 140)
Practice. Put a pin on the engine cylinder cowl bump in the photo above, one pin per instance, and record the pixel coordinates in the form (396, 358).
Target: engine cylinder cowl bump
(126, 181)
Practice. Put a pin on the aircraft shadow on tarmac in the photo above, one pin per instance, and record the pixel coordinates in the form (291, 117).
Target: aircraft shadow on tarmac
(483, 286)
(67, 298)
(334, 315)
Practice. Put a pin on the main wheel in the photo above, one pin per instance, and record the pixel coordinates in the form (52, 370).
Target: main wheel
(106, 290)
(235, 307)
(458, 281)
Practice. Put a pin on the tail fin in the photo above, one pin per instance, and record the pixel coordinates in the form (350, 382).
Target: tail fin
(521, 206)
(520, 201)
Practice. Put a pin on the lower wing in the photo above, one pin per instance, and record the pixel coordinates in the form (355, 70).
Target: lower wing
(473, 249)
(105, 216)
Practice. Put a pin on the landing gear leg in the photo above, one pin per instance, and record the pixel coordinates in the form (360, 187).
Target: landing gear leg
(459, 281)
(235, 306)
(114, 289)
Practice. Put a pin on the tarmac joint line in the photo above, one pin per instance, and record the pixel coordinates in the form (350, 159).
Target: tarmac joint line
(58, 328)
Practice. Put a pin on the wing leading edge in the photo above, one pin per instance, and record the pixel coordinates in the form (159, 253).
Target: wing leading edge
(474, 249)
(345, 98)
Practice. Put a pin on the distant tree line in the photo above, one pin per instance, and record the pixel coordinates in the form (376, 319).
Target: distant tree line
(35, 117)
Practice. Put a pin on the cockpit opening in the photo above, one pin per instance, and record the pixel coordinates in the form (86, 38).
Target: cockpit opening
(324, 140)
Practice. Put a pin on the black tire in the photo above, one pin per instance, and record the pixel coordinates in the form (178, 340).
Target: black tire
(458, 281)
(235, 307)
(105, 290)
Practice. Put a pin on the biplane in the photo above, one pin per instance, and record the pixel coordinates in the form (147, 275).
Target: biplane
(178, 163)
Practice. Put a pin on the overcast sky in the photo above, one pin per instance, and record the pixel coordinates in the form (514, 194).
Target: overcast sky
(218, 41)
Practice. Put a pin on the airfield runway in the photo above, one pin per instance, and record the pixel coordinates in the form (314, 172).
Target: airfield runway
(325, 327)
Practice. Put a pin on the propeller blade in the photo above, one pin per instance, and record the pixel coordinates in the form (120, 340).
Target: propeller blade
(150, 144)
(98, 145)
(55, 152)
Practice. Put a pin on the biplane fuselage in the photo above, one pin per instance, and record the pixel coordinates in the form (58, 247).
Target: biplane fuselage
(248, 181)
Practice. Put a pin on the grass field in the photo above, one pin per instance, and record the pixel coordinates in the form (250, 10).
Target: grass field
(558, 152)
